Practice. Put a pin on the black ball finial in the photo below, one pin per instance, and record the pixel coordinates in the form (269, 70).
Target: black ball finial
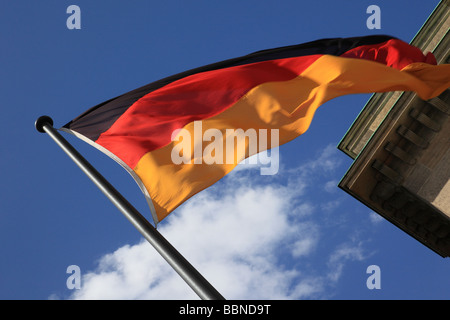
(41, 121)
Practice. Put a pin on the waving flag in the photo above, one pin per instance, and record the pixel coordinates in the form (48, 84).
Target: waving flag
(272, 89)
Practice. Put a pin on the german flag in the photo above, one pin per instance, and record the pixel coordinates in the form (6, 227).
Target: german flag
(271, 89)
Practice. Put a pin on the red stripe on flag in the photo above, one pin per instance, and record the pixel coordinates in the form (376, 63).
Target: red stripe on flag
(393, 53)
(148, 124)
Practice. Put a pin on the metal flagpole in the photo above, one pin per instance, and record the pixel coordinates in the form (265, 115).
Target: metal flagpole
(189, 274)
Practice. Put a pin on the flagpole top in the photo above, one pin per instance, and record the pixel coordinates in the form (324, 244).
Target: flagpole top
(41, 122)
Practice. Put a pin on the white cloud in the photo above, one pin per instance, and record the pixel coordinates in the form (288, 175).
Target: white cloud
(330, 205)
(346, 252)
(304, 246)
(375, 218)
(331, 186)
(251, 242)
(267, 162)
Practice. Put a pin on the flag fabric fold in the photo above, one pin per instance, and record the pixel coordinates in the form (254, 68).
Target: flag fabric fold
(271, 89)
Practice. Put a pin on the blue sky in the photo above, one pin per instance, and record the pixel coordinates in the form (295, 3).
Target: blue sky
(293, 235)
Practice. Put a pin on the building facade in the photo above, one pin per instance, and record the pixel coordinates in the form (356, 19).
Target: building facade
(401, 150)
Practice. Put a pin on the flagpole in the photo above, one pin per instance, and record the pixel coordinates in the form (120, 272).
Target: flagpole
(189, 274)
